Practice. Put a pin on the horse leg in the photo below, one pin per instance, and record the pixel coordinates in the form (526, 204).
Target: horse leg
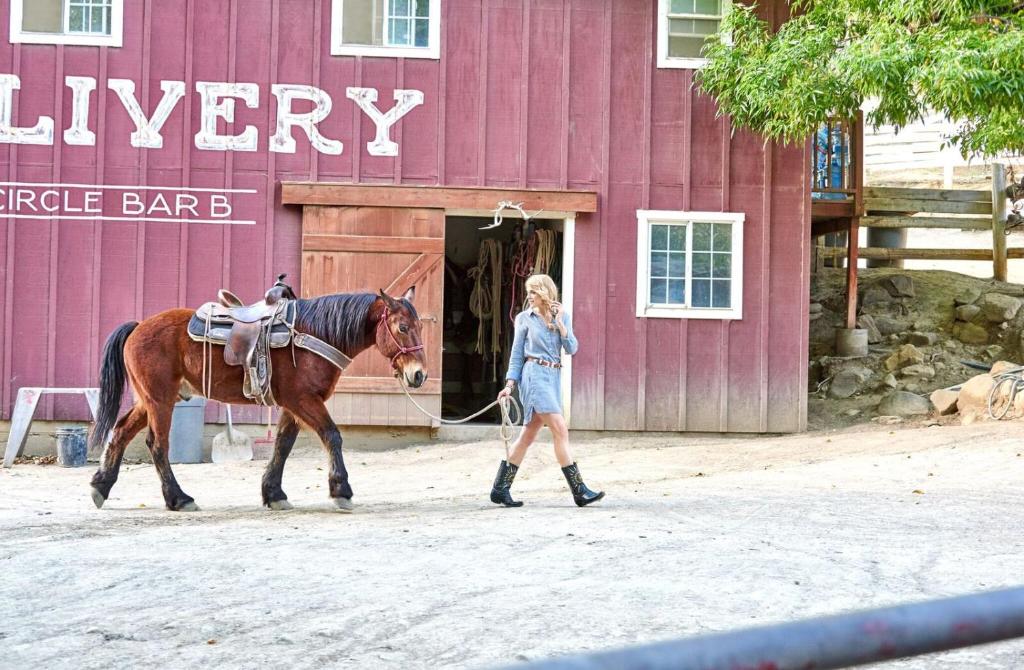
(110, 462)
(160, 428)
(314, 413)
(273, 495)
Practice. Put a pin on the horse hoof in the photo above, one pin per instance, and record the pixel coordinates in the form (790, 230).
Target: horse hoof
(280, 505)
(97, 497)
(190, 506)
(343, 504)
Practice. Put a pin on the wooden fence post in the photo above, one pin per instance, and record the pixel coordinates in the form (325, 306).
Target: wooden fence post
(999, 221)
(852, 245)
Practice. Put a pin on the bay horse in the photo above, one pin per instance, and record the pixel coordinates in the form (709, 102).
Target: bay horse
(156, 355)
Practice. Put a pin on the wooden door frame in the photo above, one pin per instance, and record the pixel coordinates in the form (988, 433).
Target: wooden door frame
(464, 201)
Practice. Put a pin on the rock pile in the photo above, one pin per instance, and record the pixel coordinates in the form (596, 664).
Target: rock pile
(929, 332)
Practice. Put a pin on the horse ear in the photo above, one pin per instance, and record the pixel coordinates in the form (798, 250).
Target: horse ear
(391, 303)
(410, 294)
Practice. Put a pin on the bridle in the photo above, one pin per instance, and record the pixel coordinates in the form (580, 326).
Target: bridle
(401, 350)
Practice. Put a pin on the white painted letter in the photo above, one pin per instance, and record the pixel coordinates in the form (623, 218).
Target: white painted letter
(147, 131)
(67, 203)
(365, 97)
(220, 208)
(56, 197)
(131, 203)
(282, 141)
(185, 202)
(79, 133)
(159, 204)
(92, 201)
(211, 110)
(41, 133)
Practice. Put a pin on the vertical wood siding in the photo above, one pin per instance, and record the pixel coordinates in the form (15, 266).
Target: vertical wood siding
(537, 93)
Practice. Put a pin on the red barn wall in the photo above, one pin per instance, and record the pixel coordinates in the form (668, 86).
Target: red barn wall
(527, 93)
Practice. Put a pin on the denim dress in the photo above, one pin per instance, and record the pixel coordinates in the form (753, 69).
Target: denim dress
(540, 387)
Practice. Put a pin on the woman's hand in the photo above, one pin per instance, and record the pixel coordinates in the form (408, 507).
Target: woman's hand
(558, 316)
(507, 391)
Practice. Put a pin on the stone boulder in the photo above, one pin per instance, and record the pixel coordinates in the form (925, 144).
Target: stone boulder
(867, 322)
(923, 339)
(967, 312)
(922, 370)
(968, 296)
(972, 403)
(944, 401)
(998, 307)
(902, 403)
(848, 381)
(898, 286)
(1002, 366)
(906, 355)
(890, 326)
(970, 333)
(875, 296)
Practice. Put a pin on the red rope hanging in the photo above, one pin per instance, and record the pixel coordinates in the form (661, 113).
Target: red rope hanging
(523, 258)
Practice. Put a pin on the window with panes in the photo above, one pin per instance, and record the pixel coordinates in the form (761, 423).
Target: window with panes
(407, 28)
(91, 17)
(691, 264)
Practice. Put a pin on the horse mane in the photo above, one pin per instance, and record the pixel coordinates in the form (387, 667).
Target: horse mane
(339, 319)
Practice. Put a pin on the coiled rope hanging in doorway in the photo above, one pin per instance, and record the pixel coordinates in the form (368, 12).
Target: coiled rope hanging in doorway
(485, 300)
(545, 252)
(530, 256)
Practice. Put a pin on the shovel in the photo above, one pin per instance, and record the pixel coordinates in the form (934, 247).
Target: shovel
(231, 445)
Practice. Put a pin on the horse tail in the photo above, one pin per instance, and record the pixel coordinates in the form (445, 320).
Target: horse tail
(112, 379)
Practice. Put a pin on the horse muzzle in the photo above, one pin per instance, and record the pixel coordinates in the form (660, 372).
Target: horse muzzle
(416, 379)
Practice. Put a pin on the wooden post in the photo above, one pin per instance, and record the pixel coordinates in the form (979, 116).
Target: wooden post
(999, 221)
(851, 272)
(857, 163)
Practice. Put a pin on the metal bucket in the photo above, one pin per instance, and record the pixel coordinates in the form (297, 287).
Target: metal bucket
(72, 446)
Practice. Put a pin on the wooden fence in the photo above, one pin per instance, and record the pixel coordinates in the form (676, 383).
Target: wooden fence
(939, 209)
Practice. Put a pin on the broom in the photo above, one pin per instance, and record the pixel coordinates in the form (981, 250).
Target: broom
(231, 445)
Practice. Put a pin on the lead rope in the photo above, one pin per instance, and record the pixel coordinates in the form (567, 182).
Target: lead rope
(505, 403)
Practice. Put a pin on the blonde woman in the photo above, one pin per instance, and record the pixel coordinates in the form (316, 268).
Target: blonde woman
(542, 331)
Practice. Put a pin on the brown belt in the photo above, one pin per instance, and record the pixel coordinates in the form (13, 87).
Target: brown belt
(541, 361)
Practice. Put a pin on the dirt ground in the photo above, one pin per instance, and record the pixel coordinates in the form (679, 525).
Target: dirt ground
(696, 535)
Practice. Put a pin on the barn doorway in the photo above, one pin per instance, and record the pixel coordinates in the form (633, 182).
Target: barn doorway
(477, 255)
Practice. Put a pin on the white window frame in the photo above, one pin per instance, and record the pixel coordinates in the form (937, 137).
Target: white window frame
(432, 50)
(644, 309)
(676, 62)
(114, 39)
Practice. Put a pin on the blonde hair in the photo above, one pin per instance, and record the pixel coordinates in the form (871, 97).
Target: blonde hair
(544, 287)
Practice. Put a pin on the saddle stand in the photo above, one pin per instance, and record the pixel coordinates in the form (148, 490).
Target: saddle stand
(249, 332)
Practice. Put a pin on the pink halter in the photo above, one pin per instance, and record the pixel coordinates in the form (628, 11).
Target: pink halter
(401, 350)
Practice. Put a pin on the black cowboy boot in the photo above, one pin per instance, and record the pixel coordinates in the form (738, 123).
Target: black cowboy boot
(502, 483)
(580, 493)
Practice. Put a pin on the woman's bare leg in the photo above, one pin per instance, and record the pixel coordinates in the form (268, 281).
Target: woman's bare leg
(560, 431)
(525, 439)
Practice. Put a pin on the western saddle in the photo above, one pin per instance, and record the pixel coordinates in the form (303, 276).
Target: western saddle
(249, 332)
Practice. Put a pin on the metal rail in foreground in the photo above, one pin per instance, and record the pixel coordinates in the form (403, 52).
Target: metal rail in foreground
(839, 641)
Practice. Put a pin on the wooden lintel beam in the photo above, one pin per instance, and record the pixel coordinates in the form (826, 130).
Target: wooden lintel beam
(435, 197)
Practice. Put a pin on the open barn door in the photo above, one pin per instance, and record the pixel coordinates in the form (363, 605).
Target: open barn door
(347, 249)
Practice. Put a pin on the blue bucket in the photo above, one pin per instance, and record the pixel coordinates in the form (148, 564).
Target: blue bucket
(72, 446)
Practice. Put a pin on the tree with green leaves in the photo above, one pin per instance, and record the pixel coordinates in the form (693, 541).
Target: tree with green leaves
(961, 58)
